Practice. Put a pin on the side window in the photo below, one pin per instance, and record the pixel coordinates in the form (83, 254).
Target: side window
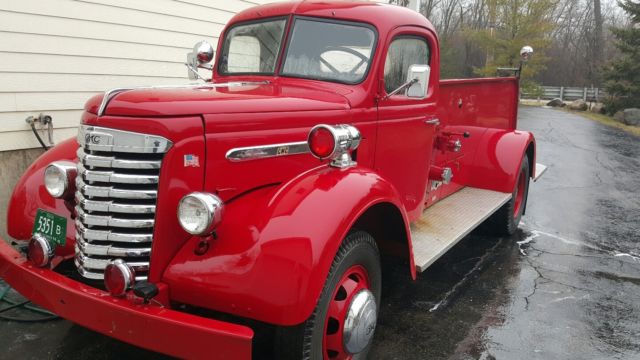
(403, 52)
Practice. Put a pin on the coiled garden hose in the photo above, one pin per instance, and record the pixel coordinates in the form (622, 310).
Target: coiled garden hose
(24, 305)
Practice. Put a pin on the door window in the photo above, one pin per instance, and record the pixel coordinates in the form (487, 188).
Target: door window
(403, 52)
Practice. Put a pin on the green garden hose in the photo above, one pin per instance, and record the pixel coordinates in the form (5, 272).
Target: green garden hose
(25, 305)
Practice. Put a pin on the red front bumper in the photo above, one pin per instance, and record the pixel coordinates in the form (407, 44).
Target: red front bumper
(149, 326)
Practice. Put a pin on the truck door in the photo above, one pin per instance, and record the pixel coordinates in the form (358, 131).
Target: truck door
(406, 126)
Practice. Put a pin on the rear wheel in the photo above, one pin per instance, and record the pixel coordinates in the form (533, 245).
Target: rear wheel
(505, 221)
(344, 320)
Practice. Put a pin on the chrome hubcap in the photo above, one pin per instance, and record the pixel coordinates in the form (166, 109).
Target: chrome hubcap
(360, 323)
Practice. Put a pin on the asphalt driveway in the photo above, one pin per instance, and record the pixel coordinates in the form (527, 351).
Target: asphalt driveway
(566, 286)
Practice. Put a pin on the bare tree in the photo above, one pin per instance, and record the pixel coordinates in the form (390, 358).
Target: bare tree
(578, 41)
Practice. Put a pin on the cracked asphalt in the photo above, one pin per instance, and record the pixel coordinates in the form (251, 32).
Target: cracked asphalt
(565, 286)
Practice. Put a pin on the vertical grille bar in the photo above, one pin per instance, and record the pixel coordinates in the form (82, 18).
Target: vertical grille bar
(116, 192)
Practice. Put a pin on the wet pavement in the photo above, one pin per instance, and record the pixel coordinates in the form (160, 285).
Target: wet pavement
(565, 286)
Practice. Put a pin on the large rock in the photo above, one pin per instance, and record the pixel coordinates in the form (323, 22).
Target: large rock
(579, 104)
(598, 108)
(556, 103)
(632, 116)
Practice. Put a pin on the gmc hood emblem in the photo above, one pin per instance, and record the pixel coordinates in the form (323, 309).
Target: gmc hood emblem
(88, 139)
(97, 138)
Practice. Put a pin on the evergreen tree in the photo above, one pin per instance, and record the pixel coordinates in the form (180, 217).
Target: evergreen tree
(622, 75)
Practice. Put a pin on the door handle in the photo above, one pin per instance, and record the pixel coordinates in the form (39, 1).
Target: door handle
(432, 122)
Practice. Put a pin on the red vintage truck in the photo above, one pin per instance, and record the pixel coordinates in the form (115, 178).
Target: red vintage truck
(182, 216)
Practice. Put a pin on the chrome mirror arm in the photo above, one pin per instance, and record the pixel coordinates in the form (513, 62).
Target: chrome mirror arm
(400, 88)
(194, 71)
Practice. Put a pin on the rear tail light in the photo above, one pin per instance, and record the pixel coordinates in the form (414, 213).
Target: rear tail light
(39, 251)
(118, 277)
(335, 142)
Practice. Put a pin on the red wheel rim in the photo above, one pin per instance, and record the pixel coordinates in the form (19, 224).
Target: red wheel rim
(353, 280)
(519, 195)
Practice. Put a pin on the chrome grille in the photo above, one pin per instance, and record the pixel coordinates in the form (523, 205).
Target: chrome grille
(116, 191)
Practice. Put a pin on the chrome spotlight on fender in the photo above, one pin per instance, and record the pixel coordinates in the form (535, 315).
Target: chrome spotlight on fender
(335, 142)
(118, 277)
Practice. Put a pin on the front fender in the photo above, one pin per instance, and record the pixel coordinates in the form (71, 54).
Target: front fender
(498, 159)
(30, 194)
(275, 246)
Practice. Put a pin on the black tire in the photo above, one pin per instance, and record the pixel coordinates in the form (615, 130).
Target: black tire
(505, 221)
(305, 341)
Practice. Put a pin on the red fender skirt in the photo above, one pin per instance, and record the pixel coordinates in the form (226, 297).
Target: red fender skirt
(149, 326)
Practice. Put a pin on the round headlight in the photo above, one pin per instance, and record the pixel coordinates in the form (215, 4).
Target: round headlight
(59, 178)
(199, 213)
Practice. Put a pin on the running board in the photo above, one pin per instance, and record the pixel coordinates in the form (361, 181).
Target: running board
(448, 221)
(540, 169)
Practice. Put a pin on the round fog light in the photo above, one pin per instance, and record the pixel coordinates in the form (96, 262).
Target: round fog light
(118, 277)
(39, 251)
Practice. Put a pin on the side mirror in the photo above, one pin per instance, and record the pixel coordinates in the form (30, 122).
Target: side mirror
(526, 53)
(201, 55)
(419, 88)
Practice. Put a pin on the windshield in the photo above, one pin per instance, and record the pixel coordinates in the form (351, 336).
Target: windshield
(252, 48)
(333, 51)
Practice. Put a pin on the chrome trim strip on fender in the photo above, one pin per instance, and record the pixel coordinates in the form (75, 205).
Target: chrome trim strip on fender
(267, 151)
(110, 94)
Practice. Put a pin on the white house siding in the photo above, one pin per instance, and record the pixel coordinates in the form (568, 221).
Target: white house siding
(55, 54)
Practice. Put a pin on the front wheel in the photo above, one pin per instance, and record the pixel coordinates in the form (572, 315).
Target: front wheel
(505, 221)
(344, 320)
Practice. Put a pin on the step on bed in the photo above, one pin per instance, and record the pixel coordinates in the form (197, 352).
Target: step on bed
(448, 221)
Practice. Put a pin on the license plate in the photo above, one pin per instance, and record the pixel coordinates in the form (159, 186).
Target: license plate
(53, 227)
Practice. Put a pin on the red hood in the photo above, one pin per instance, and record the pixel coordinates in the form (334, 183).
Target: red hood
(207, 100)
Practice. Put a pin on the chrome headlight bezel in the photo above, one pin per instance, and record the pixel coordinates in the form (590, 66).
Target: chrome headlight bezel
(210, 207)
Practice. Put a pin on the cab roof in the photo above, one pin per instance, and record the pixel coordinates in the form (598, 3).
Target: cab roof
(383, 17)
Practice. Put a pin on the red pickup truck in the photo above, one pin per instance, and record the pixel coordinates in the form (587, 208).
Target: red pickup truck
(183, 217)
